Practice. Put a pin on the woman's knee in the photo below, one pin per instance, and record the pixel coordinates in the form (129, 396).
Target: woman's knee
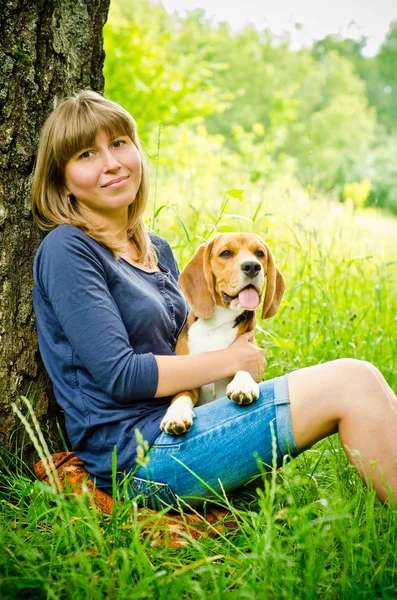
(354, 371)
(352, 366)
(363, 384)
(323, 395)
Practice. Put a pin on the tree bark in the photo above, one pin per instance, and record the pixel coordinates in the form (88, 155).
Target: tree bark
(48, 50)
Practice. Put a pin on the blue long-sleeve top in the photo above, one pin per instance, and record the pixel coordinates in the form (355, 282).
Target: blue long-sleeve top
(100, 321)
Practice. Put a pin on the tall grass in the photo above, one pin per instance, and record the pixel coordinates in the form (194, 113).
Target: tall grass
(311, 530)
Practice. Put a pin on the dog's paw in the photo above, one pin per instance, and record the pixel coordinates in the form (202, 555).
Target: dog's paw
(242, 389)
(179, 417)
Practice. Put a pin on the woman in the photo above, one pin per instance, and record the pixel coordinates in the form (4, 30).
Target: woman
(108, 315)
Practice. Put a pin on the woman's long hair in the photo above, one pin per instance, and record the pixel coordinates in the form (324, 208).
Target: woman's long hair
(73, 125)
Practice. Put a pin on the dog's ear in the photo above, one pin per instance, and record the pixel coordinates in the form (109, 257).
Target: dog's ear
(275, 288)
(197, 283)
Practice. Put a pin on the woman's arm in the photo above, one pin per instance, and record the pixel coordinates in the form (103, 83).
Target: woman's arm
(180, 373)
(70, 278)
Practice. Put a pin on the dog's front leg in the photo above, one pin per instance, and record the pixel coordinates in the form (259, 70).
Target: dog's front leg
(179, 416)
(242, 389)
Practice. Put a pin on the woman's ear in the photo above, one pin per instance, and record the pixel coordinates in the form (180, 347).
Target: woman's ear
(196, 282)
(275, 288)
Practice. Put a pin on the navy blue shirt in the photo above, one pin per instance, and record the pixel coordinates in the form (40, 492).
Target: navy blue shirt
(100, 321)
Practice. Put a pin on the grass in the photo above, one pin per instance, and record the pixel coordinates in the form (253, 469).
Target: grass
(314, 531)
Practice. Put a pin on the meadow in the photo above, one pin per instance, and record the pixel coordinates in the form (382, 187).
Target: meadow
(310, 530)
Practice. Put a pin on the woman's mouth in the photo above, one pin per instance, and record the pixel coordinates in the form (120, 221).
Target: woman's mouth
(114, 183)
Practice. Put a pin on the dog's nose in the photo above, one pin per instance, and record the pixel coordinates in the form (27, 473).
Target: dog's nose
(251, 268)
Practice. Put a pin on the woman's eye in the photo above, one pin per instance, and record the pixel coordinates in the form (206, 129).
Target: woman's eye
(226, 254)
(85, 154)
(259, 254)
(119, 143)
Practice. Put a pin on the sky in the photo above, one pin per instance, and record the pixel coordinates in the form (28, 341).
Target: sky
(348, 18)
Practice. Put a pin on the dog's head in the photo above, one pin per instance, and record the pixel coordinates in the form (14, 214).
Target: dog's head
(231, 271)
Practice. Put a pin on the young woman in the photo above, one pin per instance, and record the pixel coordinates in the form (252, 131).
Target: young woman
(109, 313)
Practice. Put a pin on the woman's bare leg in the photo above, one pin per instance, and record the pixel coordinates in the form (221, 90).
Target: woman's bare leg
(350, 397)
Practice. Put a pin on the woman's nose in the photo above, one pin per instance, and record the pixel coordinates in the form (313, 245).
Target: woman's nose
(110, 163)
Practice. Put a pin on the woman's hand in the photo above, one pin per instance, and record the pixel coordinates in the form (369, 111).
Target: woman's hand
(248, 357)
(190, 371)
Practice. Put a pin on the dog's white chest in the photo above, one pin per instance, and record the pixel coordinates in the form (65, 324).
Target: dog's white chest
(216, 333)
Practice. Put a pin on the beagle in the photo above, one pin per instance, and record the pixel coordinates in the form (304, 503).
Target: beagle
(223, 284)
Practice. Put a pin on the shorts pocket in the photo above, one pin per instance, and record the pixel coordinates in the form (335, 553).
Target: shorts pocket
(152, 494)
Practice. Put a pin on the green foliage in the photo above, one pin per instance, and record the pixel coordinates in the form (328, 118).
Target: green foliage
(386, 62)
(147, 74)
(256, 72)
(270, 110)
(378, 166)
(378, 74)
(315, 112)
(334, 127)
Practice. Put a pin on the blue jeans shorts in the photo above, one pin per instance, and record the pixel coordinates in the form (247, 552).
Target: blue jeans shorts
(227, 446)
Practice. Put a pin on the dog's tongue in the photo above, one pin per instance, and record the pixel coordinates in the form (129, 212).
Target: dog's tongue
(249, 298)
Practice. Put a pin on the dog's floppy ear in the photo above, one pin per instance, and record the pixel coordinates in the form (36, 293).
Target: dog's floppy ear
(274, 290)
(196, 282)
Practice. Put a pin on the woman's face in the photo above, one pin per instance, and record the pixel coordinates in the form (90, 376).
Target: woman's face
(105, 177)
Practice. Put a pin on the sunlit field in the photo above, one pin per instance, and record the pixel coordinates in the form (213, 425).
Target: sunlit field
(310, 530)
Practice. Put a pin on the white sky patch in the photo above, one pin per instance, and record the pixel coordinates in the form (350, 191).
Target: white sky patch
(347, 18)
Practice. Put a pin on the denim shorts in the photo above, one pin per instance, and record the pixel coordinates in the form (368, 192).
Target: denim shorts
(227, 446)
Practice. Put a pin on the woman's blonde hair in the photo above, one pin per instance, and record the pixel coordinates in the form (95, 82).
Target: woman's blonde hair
(73, 125)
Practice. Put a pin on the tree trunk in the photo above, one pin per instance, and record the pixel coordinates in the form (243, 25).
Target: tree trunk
(48, 50)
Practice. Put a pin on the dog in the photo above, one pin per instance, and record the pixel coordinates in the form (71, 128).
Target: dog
(223, 284)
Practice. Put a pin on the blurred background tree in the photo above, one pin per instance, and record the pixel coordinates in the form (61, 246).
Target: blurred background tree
(147, 71)
(326, 115)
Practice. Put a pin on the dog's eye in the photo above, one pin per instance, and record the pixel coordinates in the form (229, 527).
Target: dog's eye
(259, 254)
(226, 254)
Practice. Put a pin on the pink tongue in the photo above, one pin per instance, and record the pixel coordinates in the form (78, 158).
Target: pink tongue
(249, 298)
